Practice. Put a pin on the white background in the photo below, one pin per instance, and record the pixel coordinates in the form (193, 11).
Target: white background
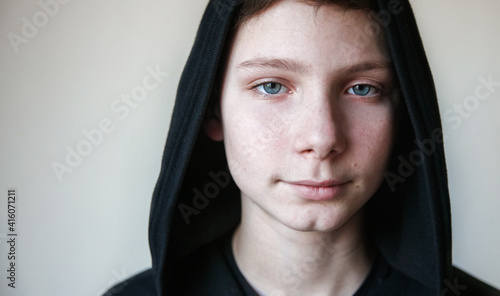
(81, 235)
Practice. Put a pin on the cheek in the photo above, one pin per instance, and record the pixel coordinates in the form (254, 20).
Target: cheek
(259, 127)
(372, 141)
(253, 138)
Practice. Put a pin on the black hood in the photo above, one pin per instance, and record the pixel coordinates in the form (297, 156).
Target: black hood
(409, 217)
(414, 235)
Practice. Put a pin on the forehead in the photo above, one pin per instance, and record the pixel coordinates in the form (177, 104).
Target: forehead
(328, 35)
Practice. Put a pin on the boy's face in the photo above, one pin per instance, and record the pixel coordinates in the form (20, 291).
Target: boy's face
(306, 114)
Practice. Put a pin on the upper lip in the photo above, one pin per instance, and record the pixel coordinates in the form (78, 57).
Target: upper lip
(325, 183)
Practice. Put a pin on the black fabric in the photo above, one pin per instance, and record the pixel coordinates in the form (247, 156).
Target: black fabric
(141, 284)
(381, 280)
(408, 219)
(212, 271)
(465, 284)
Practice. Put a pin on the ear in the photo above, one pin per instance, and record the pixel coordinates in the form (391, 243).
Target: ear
(213, 128)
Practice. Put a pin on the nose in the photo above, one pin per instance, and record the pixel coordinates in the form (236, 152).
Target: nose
(321, 130)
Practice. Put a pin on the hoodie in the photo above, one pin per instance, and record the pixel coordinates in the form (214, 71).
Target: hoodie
(196, 206)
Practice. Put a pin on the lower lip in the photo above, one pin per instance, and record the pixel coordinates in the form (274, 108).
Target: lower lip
(318, 193)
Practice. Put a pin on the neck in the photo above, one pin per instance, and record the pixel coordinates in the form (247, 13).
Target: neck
(274, 258)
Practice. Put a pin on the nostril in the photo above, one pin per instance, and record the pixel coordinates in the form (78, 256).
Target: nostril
(317, 153)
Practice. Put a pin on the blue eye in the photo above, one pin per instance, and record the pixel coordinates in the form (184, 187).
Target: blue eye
(271, 88)
(363, 90)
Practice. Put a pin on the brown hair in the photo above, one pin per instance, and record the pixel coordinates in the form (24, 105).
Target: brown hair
(251, 8)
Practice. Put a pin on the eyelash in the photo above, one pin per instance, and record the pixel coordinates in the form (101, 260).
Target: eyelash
(372, 89)
(264, 94)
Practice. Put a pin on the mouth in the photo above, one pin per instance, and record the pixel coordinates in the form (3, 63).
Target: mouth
(318, 191)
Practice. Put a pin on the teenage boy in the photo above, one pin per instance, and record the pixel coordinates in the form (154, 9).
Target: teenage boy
(277, 173)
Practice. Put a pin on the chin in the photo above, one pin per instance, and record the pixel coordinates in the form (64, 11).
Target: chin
(308, 221)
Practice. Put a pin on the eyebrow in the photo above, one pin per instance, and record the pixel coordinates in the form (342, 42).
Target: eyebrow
(276, 64)
(367, 66)
(294, 66)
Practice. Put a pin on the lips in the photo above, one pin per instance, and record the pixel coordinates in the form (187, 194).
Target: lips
(318, 191)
